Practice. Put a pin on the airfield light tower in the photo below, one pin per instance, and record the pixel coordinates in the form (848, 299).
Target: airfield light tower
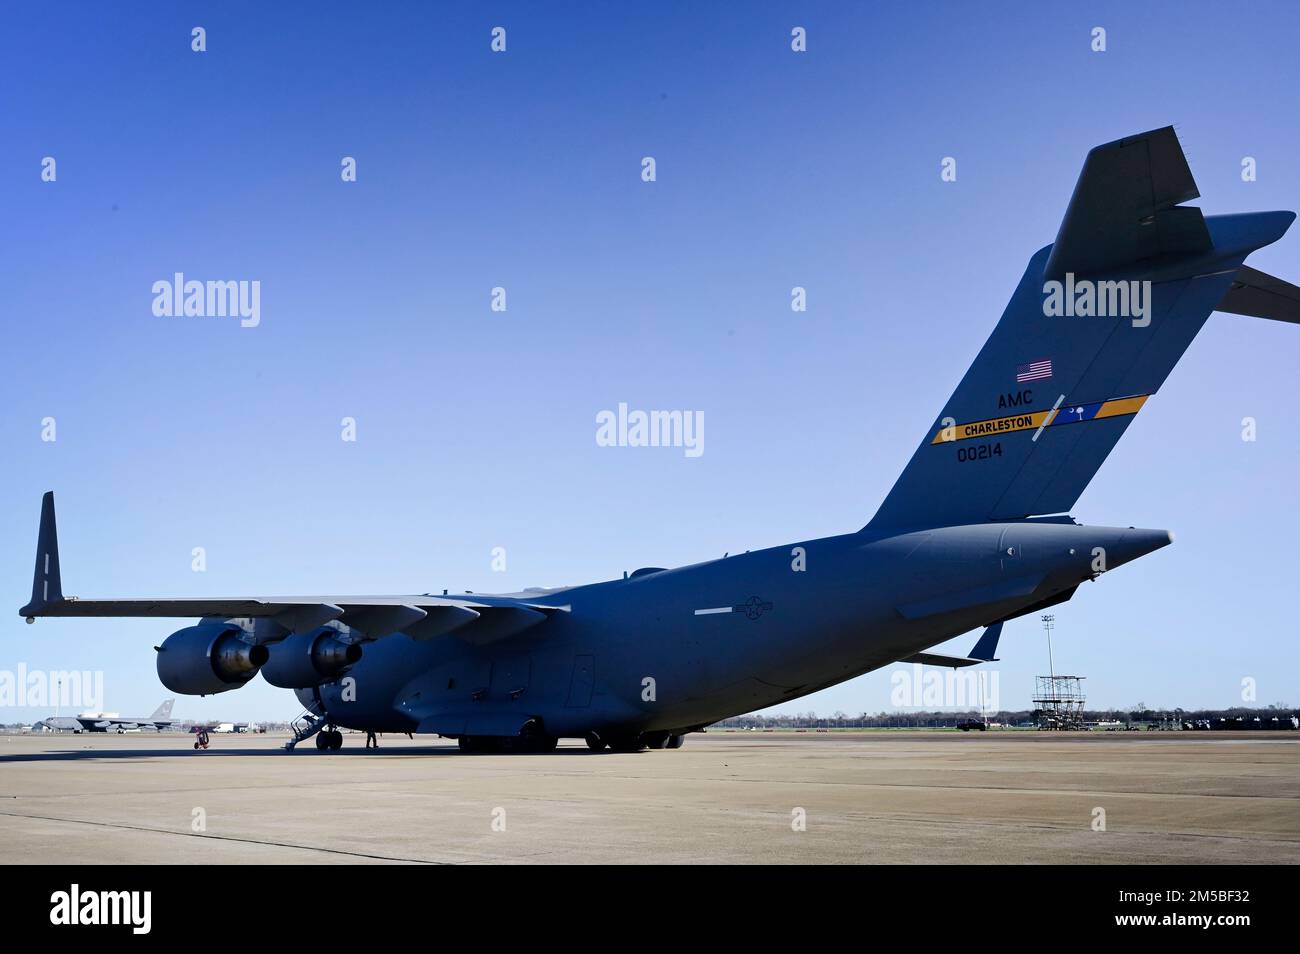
(1048, 620)
(1059, 700)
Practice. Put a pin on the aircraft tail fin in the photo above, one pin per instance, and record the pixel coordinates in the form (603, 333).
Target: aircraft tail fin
(47, 587)
(164, 711)
(1097, 323)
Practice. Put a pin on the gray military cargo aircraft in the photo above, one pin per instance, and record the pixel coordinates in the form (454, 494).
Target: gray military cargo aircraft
(975, 531)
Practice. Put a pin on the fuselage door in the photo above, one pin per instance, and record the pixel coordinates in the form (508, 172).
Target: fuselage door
(584, 680)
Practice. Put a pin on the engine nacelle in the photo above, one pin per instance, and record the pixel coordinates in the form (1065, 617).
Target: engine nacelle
(208, 658)
(305, 660)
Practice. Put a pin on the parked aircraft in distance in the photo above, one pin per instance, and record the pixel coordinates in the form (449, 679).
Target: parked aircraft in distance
(111, 722)
(975, 531)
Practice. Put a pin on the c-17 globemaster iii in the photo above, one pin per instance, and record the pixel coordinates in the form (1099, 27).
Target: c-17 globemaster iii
(974, 532)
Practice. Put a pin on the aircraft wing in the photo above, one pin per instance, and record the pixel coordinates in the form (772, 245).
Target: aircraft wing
(480, 619)
(104, 724)
(420, 617)
(981, 653)
(938, 659)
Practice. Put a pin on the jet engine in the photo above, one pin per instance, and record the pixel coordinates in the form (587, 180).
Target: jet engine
(305, 660)
(208, 658)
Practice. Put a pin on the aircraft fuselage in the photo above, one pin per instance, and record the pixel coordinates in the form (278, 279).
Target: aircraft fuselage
(673, 649)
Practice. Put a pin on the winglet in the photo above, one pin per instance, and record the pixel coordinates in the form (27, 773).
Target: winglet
(988, 644)
(47, 588)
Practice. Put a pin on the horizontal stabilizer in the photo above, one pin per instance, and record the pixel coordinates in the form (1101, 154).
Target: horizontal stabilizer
(1258, 295)
(1125, 208)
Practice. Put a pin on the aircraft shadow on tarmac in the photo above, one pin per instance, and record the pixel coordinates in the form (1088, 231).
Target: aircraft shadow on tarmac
(90, 755)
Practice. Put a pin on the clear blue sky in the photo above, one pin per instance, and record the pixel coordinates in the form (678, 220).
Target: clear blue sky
(476, 429)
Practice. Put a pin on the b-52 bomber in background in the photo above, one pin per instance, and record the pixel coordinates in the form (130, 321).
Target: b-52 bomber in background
(975, 531)
(103, 722)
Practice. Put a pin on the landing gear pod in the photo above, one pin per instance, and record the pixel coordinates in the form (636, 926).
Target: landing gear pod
(208, 658)
(309, 659)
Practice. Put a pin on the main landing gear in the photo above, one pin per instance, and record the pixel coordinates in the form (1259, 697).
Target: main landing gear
(634, 742)
(532, 739)
(524, 744)
(329, 740)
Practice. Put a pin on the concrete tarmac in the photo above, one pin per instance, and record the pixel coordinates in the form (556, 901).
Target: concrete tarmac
(995, 797)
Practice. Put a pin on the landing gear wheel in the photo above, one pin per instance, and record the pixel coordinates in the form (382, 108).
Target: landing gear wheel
(626, 743)
(655, 740)
(474, 744)
(595, 742)
(322, 741)
(675, 741)
(336, 740)
(532, 740)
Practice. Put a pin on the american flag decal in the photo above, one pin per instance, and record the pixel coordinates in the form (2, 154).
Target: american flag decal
(1034, 371)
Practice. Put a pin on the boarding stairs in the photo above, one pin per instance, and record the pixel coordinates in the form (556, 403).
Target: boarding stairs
(304, 727)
